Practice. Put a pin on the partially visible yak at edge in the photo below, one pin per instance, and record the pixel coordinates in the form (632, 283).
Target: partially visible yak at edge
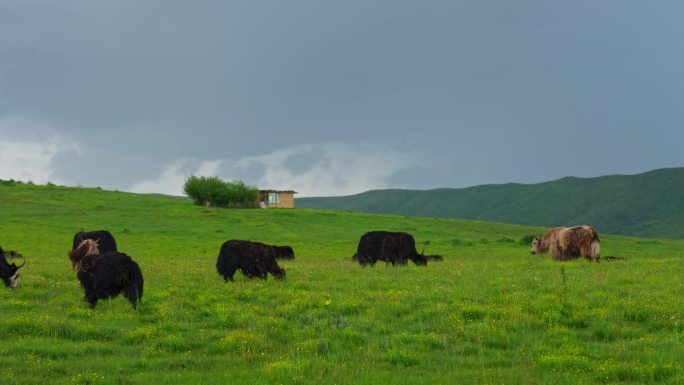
(254, 259)
(392, 247)
(9, 273)
(566, 243)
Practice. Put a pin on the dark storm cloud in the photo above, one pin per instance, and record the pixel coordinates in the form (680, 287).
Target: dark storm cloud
(463, 92)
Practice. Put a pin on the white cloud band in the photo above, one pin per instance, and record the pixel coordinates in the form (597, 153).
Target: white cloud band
(30, 159)
(312, 170)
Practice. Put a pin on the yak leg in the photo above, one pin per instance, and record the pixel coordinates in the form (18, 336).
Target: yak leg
(229, 270)
(262, 273)
(133, 301)
(276, 271)
(556, 253)
(247, 272)
(91, 298)
(132, 294)
(228, 275)
(280, 274)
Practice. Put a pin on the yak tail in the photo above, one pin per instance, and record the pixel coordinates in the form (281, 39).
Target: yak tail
(596, 250)
(134, 288)
(596, 247)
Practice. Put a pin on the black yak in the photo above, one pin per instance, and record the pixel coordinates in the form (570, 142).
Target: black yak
(284, 252)
(106, 275)
(569, 243)
(392, 247)
(105, 240)
(254, 259)
(9, 273)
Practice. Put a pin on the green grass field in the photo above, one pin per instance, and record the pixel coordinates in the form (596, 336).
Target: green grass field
(491, 313)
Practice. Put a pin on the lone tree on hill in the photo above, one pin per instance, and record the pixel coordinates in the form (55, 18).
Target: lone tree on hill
(212, 191)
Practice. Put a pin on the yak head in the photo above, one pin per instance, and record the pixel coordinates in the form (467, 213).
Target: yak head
(420, 260)
(10, 272)
(284, 252)
(87, 263)
(86, 247)
(537, 247)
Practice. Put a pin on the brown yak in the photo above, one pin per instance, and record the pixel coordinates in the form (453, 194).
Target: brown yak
(569, 243)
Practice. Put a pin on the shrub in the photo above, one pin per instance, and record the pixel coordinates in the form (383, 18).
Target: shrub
(212, 191)
(526, 240)
(204, 190)
(460, 242)
(9, 183)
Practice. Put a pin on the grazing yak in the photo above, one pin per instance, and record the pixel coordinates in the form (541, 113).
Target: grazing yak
(254, 259)
(106, 275)
(9, 273)
(105, 240)
(392, 247)
(566, 243)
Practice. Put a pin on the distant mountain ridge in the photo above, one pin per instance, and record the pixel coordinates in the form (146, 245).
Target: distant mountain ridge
(650, 204)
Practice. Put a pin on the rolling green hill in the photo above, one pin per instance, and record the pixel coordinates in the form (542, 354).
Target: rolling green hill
(490, 313)
(648, 205)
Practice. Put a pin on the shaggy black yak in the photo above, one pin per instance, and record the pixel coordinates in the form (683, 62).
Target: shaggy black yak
(253, 259)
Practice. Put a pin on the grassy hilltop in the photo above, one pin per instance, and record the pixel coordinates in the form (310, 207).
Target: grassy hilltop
(646, 205)
(490, 313)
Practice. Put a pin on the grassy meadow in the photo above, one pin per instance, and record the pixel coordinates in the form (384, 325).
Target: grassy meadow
(490, 313)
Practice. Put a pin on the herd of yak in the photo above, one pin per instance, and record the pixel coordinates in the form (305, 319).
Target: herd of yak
(104, 272)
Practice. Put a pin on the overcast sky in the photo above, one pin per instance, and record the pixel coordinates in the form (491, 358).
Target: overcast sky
(335, 98)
